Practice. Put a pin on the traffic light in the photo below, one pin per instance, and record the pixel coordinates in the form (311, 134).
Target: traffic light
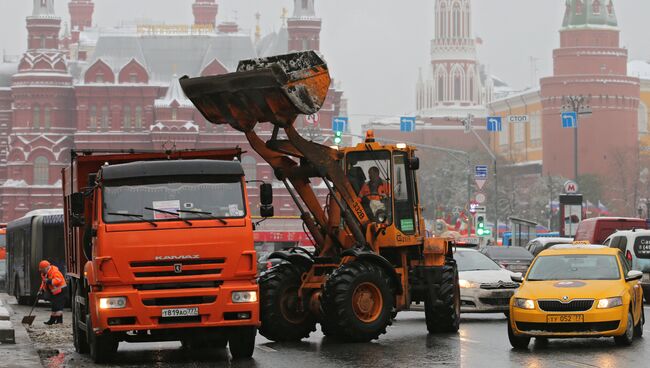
(338, 137)
(480, 225)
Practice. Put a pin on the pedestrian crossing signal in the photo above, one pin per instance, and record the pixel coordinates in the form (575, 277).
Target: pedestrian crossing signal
(338, 137)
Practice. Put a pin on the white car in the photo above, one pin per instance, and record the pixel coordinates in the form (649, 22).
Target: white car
(485, 287)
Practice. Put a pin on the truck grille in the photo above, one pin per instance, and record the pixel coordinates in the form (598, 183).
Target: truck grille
(568, 327)
(213, 271)
(160, 302)
(578, 305)
(177, 268)
(184, 262)
(178, 285)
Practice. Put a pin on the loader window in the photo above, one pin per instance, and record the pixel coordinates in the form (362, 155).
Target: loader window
(171, 198)
(369, 174)
(404, 189)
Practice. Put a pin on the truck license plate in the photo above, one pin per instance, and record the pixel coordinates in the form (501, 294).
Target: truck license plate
(565, 318)
(180, 312)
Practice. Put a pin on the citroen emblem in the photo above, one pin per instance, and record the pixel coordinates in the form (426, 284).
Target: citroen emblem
(178, 267)
(565, 298)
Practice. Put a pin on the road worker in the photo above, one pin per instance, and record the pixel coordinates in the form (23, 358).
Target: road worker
(54, 286)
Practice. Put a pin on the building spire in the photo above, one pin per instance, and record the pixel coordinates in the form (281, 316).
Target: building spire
(590, 14)
(205, 12)
(303, 9)
(81, 14)
(43, 8)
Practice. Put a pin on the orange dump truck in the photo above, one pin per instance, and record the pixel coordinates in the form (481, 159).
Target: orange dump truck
(159, 247)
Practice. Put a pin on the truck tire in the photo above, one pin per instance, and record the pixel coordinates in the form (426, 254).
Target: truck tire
(281, 315)
(79, 336)
(442, 314)
(241, 341)
(357, 301)
(102, 347)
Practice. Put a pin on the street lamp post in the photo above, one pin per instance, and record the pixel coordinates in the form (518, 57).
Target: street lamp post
(580, 105)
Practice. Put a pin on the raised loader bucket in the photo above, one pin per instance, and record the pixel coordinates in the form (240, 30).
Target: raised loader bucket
(275, 89)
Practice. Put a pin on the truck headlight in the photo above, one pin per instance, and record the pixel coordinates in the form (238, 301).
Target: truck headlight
(610, 302)
(464, 284)
(117, 302)
(244, 296)
(524, 303)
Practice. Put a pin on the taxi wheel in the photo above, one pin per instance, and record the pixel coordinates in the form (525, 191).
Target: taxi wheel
(517, 342)
(638, 329)
(626, 338)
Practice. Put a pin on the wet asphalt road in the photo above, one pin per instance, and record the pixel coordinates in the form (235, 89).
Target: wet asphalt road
(482, 342)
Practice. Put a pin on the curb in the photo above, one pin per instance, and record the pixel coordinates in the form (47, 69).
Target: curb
(21, 352)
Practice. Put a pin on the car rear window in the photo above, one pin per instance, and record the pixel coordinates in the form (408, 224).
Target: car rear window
(474, 261)
(509, 253)
(574, 267)
(642, 247)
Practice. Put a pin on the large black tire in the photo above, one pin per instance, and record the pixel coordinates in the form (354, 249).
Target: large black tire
(282, 316)
(79, 336)
(517, 342)
(638, 329)
(442, 314)
(102, 347)
(241, 342)
(357, 301)
(627, 337)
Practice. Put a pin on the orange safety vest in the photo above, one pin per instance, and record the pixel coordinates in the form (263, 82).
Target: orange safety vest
(374, 191)
(58, 281)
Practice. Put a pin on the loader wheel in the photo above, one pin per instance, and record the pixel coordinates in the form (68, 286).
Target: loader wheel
(282, 316)
(443, 313)
(357, 301)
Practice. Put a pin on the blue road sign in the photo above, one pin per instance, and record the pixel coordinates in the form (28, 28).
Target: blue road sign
(481, 172)
(569, 119)
(407, 124)
(340, 124)
(494, 123)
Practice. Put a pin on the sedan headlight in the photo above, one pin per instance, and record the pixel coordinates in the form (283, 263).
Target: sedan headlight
(467, 284)
(610, 302)
(117, 302)
(524, 303)
(244, 296)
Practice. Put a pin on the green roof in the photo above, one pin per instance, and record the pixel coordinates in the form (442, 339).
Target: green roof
(590, 14)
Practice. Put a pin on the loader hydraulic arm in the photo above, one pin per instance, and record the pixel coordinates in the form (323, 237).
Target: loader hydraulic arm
(278, 90)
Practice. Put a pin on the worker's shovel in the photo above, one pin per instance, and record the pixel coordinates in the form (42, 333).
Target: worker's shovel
(29, 319)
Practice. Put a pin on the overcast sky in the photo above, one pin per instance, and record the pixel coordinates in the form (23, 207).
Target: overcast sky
(375, 47)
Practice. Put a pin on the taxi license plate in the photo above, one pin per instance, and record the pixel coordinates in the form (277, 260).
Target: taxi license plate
(565, 318)
(180, 312)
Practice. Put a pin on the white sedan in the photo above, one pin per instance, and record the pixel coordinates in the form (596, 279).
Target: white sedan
(485, 287)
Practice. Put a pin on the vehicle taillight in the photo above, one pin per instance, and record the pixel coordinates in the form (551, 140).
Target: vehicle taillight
(628, 256)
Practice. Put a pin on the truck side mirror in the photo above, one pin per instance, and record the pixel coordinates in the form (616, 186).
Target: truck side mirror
(77, 208)
(266, 194)
(414, 163)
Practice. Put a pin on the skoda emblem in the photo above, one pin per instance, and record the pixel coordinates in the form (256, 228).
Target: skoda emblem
(178, 267)
(565, 298)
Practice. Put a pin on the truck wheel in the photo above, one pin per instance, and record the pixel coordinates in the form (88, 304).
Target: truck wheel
(357, 301)
(79, 335)
(241, 341)
(442, 314)
(102, 347)
(283, 318)
(517, 342)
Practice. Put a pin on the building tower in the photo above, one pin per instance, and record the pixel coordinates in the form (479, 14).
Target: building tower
(40, 134)
(81, 17)
(590, 62)
(304, 27)
(205, 12)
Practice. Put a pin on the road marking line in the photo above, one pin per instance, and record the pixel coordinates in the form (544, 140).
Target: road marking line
(577, 364)
(266, 349)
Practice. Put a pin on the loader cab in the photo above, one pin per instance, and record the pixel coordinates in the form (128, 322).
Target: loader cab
(383, 176)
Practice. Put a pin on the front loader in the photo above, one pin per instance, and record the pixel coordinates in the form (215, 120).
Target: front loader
(372, 257)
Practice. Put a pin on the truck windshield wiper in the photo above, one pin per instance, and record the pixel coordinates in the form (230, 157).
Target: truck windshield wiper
(169, 213)
(205, 213)
(141, 217)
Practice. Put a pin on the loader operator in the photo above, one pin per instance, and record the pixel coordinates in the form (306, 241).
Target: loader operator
(54, 286)
(375, 191)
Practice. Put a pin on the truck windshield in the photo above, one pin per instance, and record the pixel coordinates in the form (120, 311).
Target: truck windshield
(173, 198)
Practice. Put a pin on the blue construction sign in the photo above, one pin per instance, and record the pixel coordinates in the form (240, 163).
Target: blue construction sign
(569, 119)
(340, 124)
(407, 124)
(481, 171)
(494, 123)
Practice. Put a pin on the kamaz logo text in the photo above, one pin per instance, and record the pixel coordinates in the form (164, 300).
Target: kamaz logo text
(176, 258)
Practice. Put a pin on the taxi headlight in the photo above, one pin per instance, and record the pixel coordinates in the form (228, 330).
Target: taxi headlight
(610, 302)
(117, 302)
(524, 303)
(244, 296)
(464, 284)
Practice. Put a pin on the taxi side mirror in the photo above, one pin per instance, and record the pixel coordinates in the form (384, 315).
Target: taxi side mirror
(517, 277)
(634, 275)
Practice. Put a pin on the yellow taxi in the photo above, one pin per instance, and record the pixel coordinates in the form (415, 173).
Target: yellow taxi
(577, 291)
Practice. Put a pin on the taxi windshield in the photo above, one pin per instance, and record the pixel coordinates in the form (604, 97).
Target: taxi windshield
(575, 267)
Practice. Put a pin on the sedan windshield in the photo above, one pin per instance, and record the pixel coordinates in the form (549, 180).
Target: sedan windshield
(173, 198)
(575, 267)
(474, 261)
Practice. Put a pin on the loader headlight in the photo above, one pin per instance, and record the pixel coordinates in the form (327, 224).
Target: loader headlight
(381, 217)
(610, 302)
(524, 303)
(244, 296)
(117, 302)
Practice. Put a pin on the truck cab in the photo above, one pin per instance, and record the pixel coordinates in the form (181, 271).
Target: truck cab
(169, 255)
